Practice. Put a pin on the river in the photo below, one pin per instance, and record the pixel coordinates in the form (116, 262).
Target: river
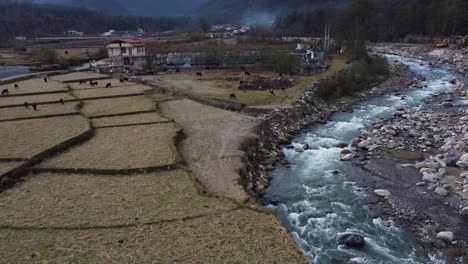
(7, 71)
(317, 202)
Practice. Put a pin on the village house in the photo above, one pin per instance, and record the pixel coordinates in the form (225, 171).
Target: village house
(127, 52)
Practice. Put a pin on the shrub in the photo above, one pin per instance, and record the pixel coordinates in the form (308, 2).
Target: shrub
(47, 56)
(354, 79)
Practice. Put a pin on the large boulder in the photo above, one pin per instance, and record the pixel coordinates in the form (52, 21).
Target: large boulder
(446, 236)
(351, 240)
(382, 193)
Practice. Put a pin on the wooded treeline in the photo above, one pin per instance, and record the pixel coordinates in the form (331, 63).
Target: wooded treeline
(32, 20)
(380, 20)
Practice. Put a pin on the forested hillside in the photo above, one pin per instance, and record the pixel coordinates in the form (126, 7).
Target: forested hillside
(41, 20)
(381, 19)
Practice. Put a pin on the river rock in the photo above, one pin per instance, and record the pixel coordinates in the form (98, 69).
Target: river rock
(382, 192)
(363, 144)
(464, 211)
(351, 240)
(346, 157)
(441, 191)
(446, 236)
(430, 177)
(427, 164)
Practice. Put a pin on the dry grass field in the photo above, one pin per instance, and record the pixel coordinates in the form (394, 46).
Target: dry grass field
(115, 91)
(101, 84)
(213, 85)
(44, 110)
(35, 86)
(93, 200)
(121, 148)
(117, 106)
(129, 120)
(238, 236)
(45, 98)
(8, 166)
(26, 138)
(75, 76)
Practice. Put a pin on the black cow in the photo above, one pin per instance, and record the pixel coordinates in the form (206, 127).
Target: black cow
(280, 75)
(34, 107)
(199, 74)
(61, 101)
(122, 81)
(5, 91)
(233, 96)
(91, 82)
(45, 79)
(94, 83)
(26, 104)
(82, 82)
(108, 85)
(177, 70)
(125, 79)
(16, 86)
(247, 73)
(271, 91)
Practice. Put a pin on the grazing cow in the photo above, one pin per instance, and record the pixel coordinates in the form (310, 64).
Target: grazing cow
(45, 79)
(122, 81)
(125, 79)
(82, 82)
(199, 74)
(34, 107)
(90, 82)
(283, 89)
(241, 82)
(5, 91)
(247, 73)
(108, 85)
(280, 75)
(271, 91)
(26, 104)
(177, 70)
(66, 52)
(233, 96)
(61, 101)
(94, 83)
(16, 86)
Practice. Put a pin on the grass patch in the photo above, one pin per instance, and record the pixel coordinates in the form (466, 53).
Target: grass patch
(27, 138)
(67, 200)
(403, 154)
(117, 106)
(121, 148)
(239, 236)
(213, 85)
(128, 120)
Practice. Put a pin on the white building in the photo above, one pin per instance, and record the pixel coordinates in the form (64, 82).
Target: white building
(127, 52)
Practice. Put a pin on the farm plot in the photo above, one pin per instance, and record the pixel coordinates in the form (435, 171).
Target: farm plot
(116, 106)
(239, 236)
(22, 112)
(27, 138)
(129, 120)
(67, 200)
(121, 148)
(5, 167)
(101, 84)
(76, 76)
(105, 92)
(45, 98)
(35, 86)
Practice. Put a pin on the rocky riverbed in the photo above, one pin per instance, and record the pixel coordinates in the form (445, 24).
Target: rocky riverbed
(416, 164)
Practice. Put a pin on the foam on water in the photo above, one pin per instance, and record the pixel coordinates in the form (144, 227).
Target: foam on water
(317, 204)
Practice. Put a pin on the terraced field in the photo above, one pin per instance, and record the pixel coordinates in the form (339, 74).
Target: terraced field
(118, 194)
(38, 99)
(117, 106)
(35, 86)
(22, 112)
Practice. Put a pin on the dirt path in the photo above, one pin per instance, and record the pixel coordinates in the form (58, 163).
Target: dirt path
(212, 144)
